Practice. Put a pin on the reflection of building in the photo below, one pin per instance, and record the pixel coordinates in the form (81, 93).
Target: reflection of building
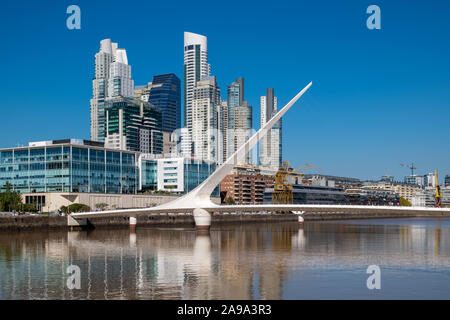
(245, 184)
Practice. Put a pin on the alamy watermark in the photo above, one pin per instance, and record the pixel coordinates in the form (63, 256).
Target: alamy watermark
(374, 280)
(74, 20)
(374, 20)
(74, 279)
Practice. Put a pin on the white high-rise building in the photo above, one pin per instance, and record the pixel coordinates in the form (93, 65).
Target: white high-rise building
(186, 143)
(223, 132)
(120, 82)
(206, 106)
(112, 78)
(196, 67)
(270, 148)
(240, 118)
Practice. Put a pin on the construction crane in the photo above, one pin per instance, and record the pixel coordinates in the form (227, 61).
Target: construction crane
(411, 167)
(438, 194)
(282, 189)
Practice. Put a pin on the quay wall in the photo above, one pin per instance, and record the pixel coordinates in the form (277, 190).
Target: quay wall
(18, 223)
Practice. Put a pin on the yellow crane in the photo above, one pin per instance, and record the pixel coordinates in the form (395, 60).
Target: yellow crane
(282, 189)
(438, 194)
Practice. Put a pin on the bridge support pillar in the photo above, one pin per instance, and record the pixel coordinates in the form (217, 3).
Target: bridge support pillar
(300, 220)
(133, 222)
(202, 219)
(72, 222)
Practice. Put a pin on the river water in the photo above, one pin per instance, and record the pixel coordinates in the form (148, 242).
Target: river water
(322, 260)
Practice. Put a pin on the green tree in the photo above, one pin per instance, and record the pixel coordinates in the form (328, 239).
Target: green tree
(10, 200)
(29, 207)
(101, 206)
(230, 201)
(78, 207)
(404, 202)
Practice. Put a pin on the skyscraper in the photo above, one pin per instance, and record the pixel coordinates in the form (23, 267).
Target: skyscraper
(205, 108)
(195, 68)
(270, 148)
(133, 125)
(223, 132)
(240, 118)
(164, 92)
(112, 78)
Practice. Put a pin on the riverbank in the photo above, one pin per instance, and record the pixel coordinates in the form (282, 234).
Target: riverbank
(19, 223)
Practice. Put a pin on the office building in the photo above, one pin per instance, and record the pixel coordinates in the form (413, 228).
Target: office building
(240, 119)
(205, 108)
(372, 197)
(133, 125)
(407, 191)
(429, 180)
(270, 147)
(164, 92)
(306, 194)
(327, 180)
(223, 132)
(423, 198)
(447, 180)
(196, 67)
(182, 175)
(112, 78)
(69, 165)
(56, 173)
(387, 178)
(415, 180)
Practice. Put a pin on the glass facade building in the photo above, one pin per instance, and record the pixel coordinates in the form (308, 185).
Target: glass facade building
(165, 93)
(68, 166)
(133, 125)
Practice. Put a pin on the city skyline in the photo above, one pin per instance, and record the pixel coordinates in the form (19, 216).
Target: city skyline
(330, 123)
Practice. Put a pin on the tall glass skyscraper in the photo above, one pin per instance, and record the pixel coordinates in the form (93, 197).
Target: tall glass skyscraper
(164, 92)
(134, 125)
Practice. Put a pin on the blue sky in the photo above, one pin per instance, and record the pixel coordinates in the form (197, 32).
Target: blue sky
(379, 97)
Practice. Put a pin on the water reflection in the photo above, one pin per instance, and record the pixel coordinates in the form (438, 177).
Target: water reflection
(253, 261)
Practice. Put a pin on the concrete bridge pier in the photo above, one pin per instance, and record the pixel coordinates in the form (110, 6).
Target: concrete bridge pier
(133, 221)
(76, 223)
(202, 219)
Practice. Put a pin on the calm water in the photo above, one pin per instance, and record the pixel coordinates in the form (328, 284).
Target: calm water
(324, 260)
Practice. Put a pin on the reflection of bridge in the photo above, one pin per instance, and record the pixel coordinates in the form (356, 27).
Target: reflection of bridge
(198, 200)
